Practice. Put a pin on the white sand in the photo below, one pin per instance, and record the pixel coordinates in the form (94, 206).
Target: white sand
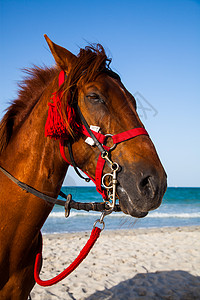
(135, 264)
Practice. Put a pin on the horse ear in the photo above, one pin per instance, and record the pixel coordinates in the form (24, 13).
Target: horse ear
(62, 56)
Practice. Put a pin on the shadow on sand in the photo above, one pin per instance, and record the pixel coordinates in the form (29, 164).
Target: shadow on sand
(168, 285)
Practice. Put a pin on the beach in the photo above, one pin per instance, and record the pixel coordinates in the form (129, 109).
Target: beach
(151, 263)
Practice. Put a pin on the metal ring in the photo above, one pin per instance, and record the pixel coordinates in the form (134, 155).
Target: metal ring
(107, 186)
(100, 222)
(114, 145)
(115, 166)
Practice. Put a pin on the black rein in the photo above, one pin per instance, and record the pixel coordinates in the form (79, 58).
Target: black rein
(68, 204)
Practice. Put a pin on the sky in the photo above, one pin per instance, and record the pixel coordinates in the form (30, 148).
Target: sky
(154, 46)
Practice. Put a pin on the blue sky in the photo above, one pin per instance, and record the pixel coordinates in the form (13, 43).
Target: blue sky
(154, 46)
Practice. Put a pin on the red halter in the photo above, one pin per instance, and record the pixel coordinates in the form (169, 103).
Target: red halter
(55, 124)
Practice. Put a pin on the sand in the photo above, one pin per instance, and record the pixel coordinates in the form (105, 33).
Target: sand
(161, 263)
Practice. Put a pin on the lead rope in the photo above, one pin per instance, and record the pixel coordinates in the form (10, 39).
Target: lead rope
(82, 255)
(111, 187)
(93, 237)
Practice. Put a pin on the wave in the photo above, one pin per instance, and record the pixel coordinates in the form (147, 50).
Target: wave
(119, 215)
(72, 214)
(174, 215)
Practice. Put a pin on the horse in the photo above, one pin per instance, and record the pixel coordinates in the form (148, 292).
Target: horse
(30, 151)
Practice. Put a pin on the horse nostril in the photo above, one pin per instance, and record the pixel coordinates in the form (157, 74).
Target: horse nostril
(147, 187)
(144, 182)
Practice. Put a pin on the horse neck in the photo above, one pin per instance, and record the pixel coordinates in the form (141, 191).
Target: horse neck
(35, 160)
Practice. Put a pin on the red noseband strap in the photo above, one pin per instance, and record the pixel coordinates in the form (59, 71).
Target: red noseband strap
(117, 138)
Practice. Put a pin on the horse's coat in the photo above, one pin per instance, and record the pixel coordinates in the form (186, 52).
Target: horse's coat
(34, 159)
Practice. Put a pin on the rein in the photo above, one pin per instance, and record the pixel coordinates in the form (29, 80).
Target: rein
(108, 191)
(68, 204)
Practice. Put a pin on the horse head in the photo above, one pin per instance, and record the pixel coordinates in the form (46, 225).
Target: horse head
(105, 102)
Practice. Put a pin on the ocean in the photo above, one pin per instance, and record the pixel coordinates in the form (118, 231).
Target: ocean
(180, 207)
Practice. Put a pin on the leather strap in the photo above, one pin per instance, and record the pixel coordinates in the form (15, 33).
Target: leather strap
(31, 190)
(74, 164)
(70, 203)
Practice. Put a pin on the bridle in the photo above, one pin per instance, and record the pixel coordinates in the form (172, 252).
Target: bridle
(108, 191)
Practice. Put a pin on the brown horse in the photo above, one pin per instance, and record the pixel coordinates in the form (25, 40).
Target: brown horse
(32, 158)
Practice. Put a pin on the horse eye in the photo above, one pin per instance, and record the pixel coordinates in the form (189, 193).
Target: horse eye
(94, 98)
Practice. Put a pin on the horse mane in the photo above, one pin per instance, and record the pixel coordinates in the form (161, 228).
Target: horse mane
(91, 61)
(30, 90)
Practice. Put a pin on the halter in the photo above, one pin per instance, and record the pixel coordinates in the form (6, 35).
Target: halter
(95, 138)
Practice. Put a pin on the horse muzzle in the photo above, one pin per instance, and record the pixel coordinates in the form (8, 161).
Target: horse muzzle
(140, 193)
